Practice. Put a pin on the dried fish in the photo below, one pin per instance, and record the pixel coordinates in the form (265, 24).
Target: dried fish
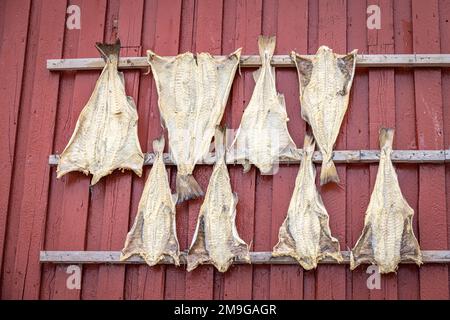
(153, 235)
(105, 136)
(305, 233)
(193, 92)
(216, 239)
(263, 136)
(388, 236)
(325, 82)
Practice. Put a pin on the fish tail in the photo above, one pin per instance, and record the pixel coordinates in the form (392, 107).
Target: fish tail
(309, 144)
(266, 46)
(329, 172)
(386, 137)
(109, 50)
(219, 143)
(158, 144)
(187, 188)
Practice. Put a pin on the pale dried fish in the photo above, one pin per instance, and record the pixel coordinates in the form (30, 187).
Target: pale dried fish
(193, 92)
(216, 239)
(263, 137)
(153, 235)
(105, 136)
(388, 236)
(325, 82)
(305, 233)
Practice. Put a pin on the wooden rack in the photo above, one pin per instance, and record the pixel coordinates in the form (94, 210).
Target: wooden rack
(345, 156)
(112, 257)
(363, 61)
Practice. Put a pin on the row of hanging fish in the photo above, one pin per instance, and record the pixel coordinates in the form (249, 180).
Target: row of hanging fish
(193, 91)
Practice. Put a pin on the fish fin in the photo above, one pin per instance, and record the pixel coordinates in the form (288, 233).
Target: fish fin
(309, 144)
(108, 50)
(246, 166)
(346, 65)
(386, 137)
(286, 244)
(363, 250)
(410, 249)
(219, 143)
(256, 74)
(133, 243)
(304, 68)
(266, 46)
(158, 144)
(187, 188)
(328, 172)
(197, 253)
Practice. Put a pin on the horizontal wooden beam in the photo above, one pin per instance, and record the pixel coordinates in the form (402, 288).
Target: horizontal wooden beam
(344, 156)
(112, 257)
(363, 61)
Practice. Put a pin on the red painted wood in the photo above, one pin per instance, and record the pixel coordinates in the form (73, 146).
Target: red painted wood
(207, 37)
(15, 19)
(287, 281)
(358, 189)
(33, 204)
(331, 281)
(429, 117)
(238, 281)
(382, 111)
(405, 137)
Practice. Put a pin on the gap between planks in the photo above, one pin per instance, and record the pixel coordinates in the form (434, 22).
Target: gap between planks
(363, 61)
(112, 257)
(347, 156)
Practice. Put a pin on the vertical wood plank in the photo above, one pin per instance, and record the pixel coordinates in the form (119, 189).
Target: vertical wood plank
(111, 279)
(207, 38)
(331, 281)
(382, 111)
(33, 204)
(429, 117)
(358, 189)
(286, 282)
(15, 19)
(405, 137)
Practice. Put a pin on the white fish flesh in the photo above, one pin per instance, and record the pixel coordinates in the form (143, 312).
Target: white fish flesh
(305, 233)
(325, 83)
(105, 136)
(388, 236)
(193, 91)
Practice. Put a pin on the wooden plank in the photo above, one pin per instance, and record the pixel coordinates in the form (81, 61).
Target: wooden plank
(286, 282)
(429, 116)
(71, 220)
(264, 257)
(358, 188)
(339, 156)
(252, 61)
(331, 280)
(207, 37)
(25, 276)
(382, 111)
(405, 137)
(12, 58)
(111, 279)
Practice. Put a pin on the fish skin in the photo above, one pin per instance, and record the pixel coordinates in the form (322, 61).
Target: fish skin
(325, 83)
(388, 236)
(105, 136)
(153, 235)
(263, 136)
(192, 95)
(305, 233)
(216, 239)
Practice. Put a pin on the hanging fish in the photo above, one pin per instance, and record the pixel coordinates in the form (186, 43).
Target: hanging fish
(388, 236)
(216, 239)
(105, 136)
(325, 82)
(193, 92)
(263, 137)
(305, 233)
(153, 235)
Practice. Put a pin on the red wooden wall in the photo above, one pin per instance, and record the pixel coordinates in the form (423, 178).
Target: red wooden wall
(40, 109)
